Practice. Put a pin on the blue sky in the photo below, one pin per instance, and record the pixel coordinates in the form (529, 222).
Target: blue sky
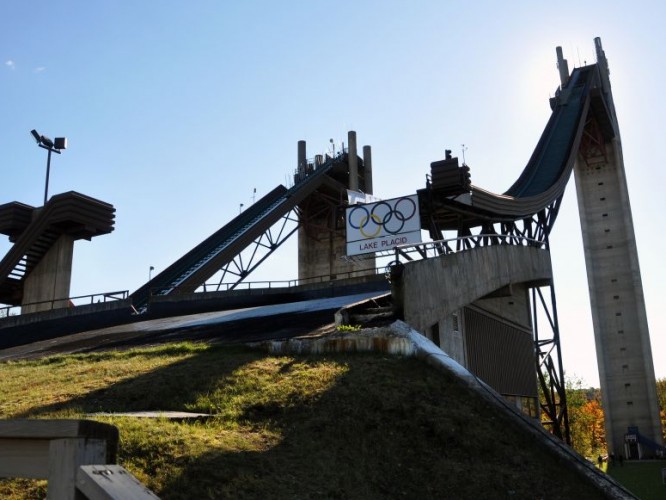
(176, 111)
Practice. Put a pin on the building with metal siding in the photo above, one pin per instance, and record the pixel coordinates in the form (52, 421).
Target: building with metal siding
(500, 353)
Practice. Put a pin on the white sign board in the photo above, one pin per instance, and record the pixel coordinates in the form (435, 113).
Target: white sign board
(356, 197)
(383, 225)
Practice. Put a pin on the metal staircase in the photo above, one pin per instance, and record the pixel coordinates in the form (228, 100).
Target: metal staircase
(34, 231)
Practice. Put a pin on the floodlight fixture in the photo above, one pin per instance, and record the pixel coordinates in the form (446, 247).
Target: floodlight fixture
(52, 147)
(47, 142)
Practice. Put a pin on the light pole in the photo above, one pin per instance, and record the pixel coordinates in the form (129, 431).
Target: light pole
(150, 281)
(52, 147)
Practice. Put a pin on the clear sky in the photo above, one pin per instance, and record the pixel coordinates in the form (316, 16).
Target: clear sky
(176, 111)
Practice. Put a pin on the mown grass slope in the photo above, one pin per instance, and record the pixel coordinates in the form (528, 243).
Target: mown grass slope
(341, 426)
(644, 479)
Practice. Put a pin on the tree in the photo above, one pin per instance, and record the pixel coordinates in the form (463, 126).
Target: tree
(661, 396)
(586, 418)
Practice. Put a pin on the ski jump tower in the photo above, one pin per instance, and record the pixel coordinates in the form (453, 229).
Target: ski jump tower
(626, 370)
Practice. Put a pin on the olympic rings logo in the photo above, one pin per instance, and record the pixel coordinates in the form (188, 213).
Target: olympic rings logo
(371, 220)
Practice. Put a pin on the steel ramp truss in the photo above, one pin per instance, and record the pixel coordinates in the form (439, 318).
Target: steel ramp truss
(263, 246)
(236, 270)
(550, 372)
(535, 228)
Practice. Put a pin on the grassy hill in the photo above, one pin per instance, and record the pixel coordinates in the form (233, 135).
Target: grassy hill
(336, 426)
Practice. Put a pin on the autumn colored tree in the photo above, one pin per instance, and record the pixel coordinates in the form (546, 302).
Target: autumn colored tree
(586, 418)
(661, 396)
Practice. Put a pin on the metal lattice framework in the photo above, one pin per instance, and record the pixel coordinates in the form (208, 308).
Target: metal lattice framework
(232, 274)
(235, 271)
(549, 365)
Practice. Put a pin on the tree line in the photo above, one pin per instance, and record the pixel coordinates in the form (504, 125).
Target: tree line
(586, 416)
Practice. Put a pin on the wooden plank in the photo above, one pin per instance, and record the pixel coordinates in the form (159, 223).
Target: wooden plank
(110, 482)
(27, 458)
(65, 457)
(56, 429)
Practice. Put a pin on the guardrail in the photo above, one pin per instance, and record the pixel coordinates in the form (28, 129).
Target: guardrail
(70, 301)
(449, 246)
(272, 284)
(407, 252)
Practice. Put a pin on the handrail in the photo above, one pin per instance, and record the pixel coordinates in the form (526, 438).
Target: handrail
(261, 284)
(101, 297)
(444, 247)
(436, 248)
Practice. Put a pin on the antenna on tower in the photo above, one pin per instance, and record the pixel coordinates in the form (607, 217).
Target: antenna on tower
(464, 148)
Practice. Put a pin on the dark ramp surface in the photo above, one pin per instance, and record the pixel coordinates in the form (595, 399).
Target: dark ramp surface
(544, 179)
(234, 326)
(545, 176)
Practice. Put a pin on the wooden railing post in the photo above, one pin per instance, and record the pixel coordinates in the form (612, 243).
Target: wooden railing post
(65, 457)
(54, 450)
(77, 457)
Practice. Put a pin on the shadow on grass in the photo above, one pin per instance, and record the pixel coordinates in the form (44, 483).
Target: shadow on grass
(388, 427)
(175, 387)
(384, 427)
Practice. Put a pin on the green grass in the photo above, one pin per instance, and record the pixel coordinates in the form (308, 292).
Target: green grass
(348, 328)
(341, 426)
(643, 479)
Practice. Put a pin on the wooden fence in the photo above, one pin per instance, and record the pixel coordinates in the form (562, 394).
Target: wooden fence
(77, 457)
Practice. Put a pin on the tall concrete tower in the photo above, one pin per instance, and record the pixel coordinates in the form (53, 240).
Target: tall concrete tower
(626, 370)
(321, 233)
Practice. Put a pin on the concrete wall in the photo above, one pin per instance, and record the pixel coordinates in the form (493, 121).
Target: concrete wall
(624, 355)
(50, 279)
(447, 333)
(513, 306)
(475, 305)
(320, 250)
(436, 288)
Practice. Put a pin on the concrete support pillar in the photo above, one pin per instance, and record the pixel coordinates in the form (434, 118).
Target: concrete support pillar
(321, 241)
(626, 370)
(602, 62)
(302, 158)
(353, 161)
(50, 280)
(562, 66)
(367, 165)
